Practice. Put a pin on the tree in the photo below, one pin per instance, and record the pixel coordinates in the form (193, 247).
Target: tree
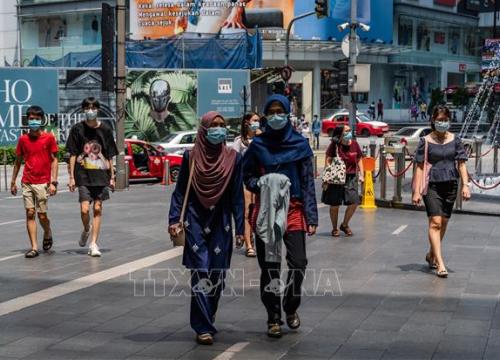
(437, 98)
(460, 98)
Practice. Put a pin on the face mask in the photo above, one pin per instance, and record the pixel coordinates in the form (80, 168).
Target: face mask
(347, 136)
(254, 126)
(91, 114)
(278, 121)
(34, 124)
(442, 126)
(216, 135)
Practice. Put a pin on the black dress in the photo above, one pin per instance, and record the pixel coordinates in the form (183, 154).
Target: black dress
(443, 177)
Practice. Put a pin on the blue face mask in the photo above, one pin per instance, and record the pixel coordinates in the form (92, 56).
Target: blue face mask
(254, 126)
(347, 136)
(216, 135)
(442, 126)
(34, 124)
(277, 121)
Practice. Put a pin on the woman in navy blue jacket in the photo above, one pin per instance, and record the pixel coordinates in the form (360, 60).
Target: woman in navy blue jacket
(215, 196)
(282, 150)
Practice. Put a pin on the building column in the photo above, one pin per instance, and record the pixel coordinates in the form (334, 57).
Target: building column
(316, 93)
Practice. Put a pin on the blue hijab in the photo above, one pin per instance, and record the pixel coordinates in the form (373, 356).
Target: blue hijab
(275, 147)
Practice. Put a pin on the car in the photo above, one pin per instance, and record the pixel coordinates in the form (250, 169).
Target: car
(146, 161)
(408, 136)
(178, 142)
(364, 126)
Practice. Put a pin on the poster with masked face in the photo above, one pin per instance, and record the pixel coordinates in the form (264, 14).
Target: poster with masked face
(159, 103)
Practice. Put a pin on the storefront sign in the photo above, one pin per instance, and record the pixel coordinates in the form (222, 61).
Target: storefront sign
(19, 89)
(445, 2)
(462, 67)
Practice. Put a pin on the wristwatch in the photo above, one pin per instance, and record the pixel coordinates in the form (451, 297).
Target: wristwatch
(55, 183)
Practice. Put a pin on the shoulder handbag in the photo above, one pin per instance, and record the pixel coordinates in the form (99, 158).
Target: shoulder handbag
(423, 186)
(335, 173)
(180, 238)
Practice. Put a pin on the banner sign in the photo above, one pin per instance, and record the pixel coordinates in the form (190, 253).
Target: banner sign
(19, 89)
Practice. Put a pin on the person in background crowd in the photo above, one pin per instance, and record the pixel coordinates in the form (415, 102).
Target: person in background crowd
(250, 127)
(316, 130)
(446, 153)
(306, 132)
(283, 158)
(349, 151)
(380, 110)
(371, 110)
(423, 111)
(215, 197)
(91, 146)
(39, 150)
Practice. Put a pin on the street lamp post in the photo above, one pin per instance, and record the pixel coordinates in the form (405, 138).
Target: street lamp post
(352, 64)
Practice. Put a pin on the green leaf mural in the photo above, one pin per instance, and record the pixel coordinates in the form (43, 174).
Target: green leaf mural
(183, 92)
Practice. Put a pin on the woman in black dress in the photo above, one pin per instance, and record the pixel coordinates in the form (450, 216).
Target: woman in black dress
(447, 157)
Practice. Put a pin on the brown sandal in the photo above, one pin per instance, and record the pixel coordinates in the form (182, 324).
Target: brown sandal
(335, 233)
(346, 229)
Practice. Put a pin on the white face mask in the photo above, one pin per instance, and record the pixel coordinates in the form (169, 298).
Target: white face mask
(91, 114)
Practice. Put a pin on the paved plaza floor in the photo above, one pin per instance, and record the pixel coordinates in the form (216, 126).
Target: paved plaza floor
(367, 297)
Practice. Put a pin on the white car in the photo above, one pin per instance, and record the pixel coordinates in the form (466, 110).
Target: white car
(178, 142)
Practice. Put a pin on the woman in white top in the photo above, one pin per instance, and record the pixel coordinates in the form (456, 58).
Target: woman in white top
(249, 128)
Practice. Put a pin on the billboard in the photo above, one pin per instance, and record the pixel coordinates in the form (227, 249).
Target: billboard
(160, 102)
(223, 91)
(155, 19)
(19, 89)
(376, 13)
(490, 55)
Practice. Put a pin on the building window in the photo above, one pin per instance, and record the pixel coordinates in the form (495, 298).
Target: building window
(423, 37)
(405, 31)
(51, 31)
(454, 41)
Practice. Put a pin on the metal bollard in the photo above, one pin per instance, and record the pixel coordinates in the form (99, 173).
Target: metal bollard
(495, 158)
(127, 175)
(383, 175)
(459, 200)
(477, 149)
(166, 172)
(315, 166)
(365, 150)
(399, 159)
(373, 148)
(5, 169)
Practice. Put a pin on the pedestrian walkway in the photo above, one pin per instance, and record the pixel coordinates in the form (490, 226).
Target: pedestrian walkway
(370, 297)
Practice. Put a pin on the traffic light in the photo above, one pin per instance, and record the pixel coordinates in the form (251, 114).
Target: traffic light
(107, 48)
(321, 8)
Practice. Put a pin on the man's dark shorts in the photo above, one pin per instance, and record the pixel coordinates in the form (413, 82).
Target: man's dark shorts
(92, 193)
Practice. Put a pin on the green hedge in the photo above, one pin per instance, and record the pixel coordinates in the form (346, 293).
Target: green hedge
(11, 154)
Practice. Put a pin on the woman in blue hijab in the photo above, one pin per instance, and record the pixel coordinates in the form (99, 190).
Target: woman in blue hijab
(281, 150)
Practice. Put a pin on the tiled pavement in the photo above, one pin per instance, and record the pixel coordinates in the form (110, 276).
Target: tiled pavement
(388, 305)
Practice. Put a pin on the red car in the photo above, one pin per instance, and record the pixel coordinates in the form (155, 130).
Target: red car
(364, 126)
(145, 161)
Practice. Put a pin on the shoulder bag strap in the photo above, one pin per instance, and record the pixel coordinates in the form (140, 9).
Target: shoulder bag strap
(186, 195)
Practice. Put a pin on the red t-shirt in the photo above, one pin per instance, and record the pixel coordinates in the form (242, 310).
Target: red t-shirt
(36, 153)
(350, 154)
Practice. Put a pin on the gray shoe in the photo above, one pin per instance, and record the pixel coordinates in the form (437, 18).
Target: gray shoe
(84, 237)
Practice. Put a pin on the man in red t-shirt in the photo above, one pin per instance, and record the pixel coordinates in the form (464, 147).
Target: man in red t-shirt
(38, 149)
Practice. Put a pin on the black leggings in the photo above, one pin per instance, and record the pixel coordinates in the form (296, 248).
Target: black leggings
(271, 287)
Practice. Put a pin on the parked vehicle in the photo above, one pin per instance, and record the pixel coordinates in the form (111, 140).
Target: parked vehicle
(364, 126)
(178, 142)
(146, 161)
(408, 136)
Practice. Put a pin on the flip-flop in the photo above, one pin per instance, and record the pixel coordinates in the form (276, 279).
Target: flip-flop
(335, 233)
(250, 252)
(47, 243)
(432, 265)
(346, 229)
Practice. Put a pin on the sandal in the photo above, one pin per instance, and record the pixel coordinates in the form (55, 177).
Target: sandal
(442, 273)
(346, 229)
(250, 253)
(47, 243)
(432, 265)
(31, 254)
(335, 233)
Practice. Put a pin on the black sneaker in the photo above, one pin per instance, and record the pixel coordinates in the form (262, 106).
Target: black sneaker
(274, 330)
(293, 321)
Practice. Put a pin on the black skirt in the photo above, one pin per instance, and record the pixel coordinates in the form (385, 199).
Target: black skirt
(336, 195)
(440, 198)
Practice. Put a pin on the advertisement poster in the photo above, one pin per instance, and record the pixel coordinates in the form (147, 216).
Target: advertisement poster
(19, 89)
(160, 102)
(490, 55)
(223, 91)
